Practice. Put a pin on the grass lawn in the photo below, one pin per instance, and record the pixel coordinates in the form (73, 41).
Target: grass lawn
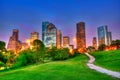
(72, 69)
(108, 59)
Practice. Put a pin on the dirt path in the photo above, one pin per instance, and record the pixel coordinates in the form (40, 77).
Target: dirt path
(100, 69)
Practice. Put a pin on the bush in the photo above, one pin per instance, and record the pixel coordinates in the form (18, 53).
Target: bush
(101, 47)
(21, 60)
(2, 64)
(76, 53)
(58, 54)
(24, 58)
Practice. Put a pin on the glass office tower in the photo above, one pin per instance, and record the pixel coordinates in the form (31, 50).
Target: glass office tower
(103, 35)
(49, 34)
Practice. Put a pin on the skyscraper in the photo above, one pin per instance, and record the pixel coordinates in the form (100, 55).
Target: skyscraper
(44, 27)
(81, 36)
(59, 39)
(103, 35)
(15, 34)
(109, 38)
(94, 42)
(14, 43)
(49, 34)
(34, 35)
(66, 42)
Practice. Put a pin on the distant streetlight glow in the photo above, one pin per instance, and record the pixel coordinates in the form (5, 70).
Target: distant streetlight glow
(28, 41)
(74, 39)
(71, 51)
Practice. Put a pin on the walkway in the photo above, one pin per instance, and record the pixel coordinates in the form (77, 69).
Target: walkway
(100, 69)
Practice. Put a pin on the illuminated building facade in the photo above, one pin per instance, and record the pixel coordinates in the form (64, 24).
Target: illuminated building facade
(34, 36)
(49, 34)
(66, 42)
(71, 49)
(14, 43)
(25, 46)
(103, 35)
(71, 46)
(109, 38)
(94, 42)
(81, 36)
(59, 39)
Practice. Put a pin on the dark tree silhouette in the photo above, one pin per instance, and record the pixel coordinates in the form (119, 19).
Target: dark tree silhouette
(39, 49)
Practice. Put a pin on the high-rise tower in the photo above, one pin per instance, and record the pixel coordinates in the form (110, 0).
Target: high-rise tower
(49, 34)
(103, 35)
(34, 35)
(94, 42)
(109, 38)
(66, 42)
(59, 38)
(81, 36)
(14, 43)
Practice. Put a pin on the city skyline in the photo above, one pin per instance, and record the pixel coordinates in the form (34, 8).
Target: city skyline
(28, 15)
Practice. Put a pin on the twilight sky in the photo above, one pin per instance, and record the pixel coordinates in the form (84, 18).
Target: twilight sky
(28, 15)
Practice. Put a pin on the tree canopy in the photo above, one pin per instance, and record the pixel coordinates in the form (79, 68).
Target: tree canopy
(2, 45)
(39, 49)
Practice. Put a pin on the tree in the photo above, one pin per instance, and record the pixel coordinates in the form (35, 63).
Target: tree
(101, 47)
(58, 54)
(2, 45)
(2, 52)
(65, 53)
(115, 43)
(2, 58)
(10, 56)
(39, 49)
(90, 48)
(2, 64)
(24, 58)
(20, 60)
(52, 52)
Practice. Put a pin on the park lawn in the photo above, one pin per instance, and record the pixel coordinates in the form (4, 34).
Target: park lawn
(108, 59)
(72, 69)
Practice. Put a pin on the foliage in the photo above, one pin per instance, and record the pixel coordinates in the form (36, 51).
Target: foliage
(58, 54)
(39, 49)
(2, 64)
(24, 58)
(71, 69)
(116, 43)
(61, 54)
(2, 46)
(2, 58)
(2, 52)
(76, 53)
(101, 47)
(10, 56)
(51, 52)
(90, 49)
(38, 45)
(20, 60)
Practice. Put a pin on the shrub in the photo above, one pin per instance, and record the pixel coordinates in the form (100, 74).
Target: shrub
(101, 47)
(58, 54)
(24, 58)
(21, 60)
(2, 64)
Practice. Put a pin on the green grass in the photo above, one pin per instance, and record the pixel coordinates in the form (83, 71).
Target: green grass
(108, 59)
(72, 69)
